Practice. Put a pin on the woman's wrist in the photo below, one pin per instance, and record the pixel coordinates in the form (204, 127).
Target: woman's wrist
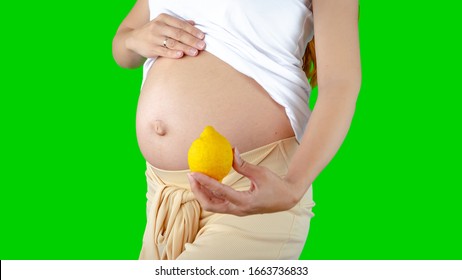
(130, 45)
(298, 186)
(124, 52)
(129, 41)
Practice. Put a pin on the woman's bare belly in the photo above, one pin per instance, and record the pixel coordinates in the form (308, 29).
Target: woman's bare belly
(182, 96)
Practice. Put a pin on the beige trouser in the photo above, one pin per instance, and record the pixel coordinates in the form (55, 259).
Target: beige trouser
(177, 227)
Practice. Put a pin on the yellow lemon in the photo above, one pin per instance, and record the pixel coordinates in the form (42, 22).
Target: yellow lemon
(211, 154)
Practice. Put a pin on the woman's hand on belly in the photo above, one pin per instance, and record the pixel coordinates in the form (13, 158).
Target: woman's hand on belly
(268, 192)
(166, 36)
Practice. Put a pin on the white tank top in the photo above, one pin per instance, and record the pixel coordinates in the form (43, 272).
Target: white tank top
(263, 39)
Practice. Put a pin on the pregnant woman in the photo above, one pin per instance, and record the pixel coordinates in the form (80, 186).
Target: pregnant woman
(238, 65)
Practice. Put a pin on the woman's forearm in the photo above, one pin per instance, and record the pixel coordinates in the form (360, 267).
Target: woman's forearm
(324, 134)
(125, 57)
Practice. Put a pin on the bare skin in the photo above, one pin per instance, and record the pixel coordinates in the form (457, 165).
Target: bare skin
(181, 96)
(180, 108)
(188, 88)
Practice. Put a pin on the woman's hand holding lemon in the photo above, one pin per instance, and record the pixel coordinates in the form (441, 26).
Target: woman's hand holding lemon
(267, 193)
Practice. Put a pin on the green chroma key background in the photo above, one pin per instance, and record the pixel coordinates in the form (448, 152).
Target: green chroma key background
(72, 176)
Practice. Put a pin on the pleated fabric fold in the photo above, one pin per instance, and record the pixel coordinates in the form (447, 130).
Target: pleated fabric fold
(173, 214)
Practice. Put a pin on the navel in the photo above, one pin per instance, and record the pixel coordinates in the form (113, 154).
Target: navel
(160, 128)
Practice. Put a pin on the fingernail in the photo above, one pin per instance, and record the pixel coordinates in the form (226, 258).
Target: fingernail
(179, 53)
(190, 177)
(193, 51)
(200, 35)
(200, 44)
(238, 156)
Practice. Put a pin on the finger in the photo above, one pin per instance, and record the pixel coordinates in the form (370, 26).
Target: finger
(182, 24)
(176, 45)
(183, 37)
(202, 194)
(247, 169)
(208, 201)
(165, 52)
(220, 190)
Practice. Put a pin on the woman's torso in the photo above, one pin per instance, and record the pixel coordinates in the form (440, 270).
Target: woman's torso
(180, 97)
